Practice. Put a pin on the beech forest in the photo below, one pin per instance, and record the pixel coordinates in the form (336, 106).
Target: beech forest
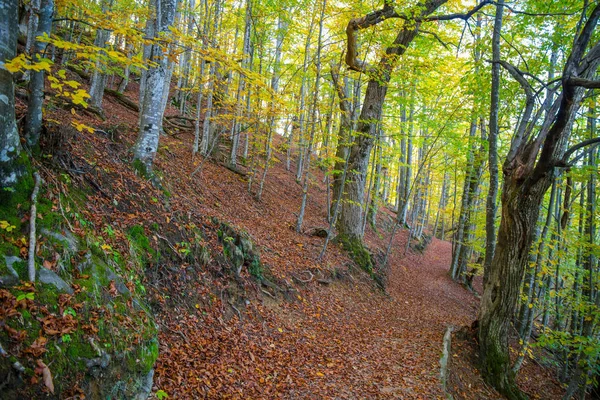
(299, 199)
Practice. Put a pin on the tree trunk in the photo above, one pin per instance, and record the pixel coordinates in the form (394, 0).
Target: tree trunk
(528, 172)
(313, 126)
(490, 215)
(98, 80)
(13, 162)
(301, 111)
(33, 122)
(147, 142)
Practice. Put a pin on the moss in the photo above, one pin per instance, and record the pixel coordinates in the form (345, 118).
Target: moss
(20, 194)
(357, 251)
(47, 295)
(141, 243)
(141, 168)
(256, 269)
(143, 359)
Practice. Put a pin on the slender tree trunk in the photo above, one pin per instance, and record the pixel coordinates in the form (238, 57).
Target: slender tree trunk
(301, 111)
(98, 80)
(126, 72)
(33, 122)
(281, 28)
(246, 63)
(306, 179)
(490, 215)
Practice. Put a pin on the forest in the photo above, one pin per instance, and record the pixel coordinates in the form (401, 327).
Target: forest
(294, 199)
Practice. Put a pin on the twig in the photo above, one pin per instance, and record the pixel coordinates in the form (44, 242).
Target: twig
(31, 263)
(62, 211)
(170, 245)
(238, 311)
(305, 280)
(267, 293)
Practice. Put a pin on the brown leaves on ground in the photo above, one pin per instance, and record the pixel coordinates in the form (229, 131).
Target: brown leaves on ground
(225, 339)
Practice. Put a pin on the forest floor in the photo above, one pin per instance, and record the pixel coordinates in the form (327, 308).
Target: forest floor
(336, 336)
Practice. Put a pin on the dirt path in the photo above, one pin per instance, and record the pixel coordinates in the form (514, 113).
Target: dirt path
(345, 341)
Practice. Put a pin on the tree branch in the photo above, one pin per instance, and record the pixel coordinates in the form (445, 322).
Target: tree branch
(435, 35)
(590, 142)
(463, 16)
(586, 83)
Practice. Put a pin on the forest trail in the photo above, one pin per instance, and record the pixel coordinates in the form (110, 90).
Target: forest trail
(343, 340)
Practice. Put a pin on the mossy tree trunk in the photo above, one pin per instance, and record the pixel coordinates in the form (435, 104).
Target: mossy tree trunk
(13, 162)
(529, 169)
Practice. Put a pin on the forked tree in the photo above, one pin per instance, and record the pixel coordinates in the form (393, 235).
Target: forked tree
(538, 152)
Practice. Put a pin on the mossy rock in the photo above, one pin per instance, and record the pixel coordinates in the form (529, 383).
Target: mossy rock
(111, 348)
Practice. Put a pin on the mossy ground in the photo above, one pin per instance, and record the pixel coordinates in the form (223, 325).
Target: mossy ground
(95, 320)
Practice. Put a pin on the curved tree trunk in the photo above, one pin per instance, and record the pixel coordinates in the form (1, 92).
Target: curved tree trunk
(528, 170)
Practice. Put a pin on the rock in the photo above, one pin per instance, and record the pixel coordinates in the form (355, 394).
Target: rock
(8, 281)
(146, 386)
(67, 240)
(96, 365)
(10, 260)
(13, 278)
(50, 278)
(237, 258)
(121, 288)
(247, 247)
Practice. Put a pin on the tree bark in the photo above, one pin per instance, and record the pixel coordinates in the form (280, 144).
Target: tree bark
(13, 163)
(490, 215)
(147, 142)
(525, 183)
(33, 122)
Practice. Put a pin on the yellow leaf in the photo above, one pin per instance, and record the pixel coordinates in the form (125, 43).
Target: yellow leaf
(320, 374)
(280, 330)
(105, 247)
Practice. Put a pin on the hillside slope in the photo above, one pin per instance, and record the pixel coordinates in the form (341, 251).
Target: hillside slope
(289, 326)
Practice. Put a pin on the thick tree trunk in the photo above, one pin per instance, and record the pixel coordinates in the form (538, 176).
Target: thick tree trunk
(147, 142)
(13, 162)
(528, 172)
(520, 211)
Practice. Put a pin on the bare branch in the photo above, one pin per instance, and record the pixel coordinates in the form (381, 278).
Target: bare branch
(590, 142)
(519, 77)
(463, 16)
(586, 83)
(435, 35)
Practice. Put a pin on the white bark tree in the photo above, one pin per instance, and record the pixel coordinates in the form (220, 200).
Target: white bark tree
(150, 111)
